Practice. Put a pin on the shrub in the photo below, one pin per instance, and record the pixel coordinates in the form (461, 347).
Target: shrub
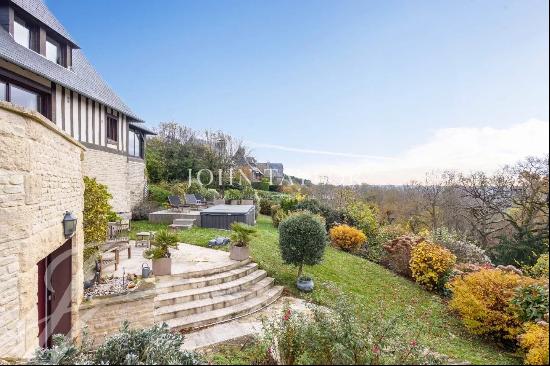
(334, 217)
(151, 346)
(464, 250)
(335, 337)
(249, 193)
(531, 302)
(195, 187)
(374, 250)
(159, 194)
(539, 269)
(431, 264)
(288, 203)
(278, 216)
(160, 246)
(521, 249)
(535, 344)
(310, 204)
(482, 299)
(302, 239)
(397, 255)
(95, 215)
(241, 234)
(232, 194)
(265, 206)
(347, 238)
(142, 209)
(210, 194)
(364, 217)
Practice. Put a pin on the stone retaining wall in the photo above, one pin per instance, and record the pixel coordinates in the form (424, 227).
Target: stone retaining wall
(104, 316)
(40, 179)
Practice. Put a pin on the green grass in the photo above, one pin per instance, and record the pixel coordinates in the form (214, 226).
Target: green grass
(371, 287)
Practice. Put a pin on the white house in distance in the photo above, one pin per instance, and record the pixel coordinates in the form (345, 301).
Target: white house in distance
(59, 121)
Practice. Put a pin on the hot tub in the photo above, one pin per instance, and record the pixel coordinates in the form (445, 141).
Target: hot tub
(222, 216)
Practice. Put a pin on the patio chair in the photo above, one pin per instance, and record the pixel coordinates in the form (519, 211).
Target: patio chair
(175, 202)
(192, 201)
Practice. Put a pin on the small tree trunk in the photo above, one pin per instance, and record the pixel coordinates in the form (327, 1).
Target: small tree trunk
(300, 270)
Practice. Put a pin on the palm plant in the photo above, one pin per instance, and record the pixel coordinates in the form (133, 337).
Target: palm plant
(160, 246)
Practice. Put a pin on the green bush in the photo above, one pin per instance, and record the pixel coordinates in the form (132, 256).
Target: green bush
(364, 217)
(302, 239)
(278, 216)
(150, 346)
(159, 194)
(232, 194)
(374, 250)
(336, 337)
(289, 203)
(530, 302)
(97, 212)
(160, 246)
(521, 249)
(539, 269)
(265, 206)
(310, 204)
(241, 234)
(211, 194)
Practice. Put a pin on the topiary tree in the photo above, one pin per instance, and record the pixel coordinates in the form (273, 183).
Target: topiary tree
(302, 239)
(97, 211)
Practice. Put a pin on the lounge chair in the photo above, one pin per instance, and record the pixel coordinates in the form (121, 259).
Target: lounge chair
(175, 202)
(192, 201)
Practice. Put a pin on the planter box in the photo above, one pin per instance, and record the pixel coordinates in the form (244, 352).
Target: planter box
(239, 253)
(235, 202)
(247, 202)
(162, 267)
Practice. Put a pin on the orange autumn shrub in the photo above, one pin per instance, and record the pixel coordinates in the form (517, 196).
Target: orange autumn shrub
(397, 256)
(431, 264)
(535, 343)
(483, 301)
(347, 238)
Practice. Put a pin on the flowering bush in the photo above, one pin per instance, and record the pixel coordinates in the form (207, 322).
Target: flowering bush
(397, 255)
(483, 300)
(431, 264)
(347, 238)
(535, 344)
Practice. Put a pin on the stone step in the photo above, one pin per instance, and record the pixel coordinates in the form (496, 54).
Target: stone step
(172, 298)
(200, 306)
(183, 222)
(227, 313)
(205, 272)
(175, 227)
(197, 282)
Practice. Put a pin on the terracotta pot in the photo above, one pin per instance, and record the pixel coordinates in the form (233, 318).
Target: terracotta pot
(162, 266)
(239, 253)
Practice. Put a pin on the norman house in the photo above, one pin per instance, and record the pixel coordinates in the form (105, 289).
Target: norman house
(59, 121)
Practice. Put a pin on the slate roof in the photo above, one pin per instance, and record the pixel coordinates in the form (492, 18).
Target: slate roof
(82, 77)
(41, 12)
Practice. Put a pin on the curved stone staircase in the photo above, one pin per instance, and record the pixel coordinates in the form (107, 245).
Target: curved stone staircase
(197, 299)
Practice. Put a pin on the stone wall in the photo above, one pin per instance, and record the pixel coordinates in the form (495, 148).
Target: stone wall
(40, 179)
(124, 177)
(104, 316)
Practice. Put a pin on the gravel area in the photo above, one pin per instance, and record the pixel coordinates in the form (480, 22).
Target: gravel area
(113, 286)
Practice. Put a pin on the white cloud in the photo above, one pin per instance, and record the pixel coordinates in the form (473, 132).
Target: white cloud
(462, 149)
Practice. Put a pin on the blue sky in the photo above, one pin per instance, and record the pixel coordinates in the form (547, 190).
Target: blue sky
(354, 85)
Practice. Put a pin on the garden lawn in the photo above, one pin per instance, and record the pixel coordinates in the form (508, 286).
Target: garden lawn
(419, 314)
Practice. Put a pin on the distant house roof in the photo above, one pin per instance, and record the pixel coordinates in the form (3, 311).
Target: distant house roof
(41, 12)
(81, 77)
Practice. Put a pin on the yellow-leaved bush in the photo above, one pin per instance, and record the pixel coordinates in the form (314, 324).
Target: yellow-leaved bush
(535, 343)
(347, 238)
(483, 301)
(430, 264)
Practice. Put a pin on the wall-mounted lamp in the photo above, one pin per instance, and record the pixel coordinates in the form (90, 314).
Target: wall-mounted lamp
(69, 224)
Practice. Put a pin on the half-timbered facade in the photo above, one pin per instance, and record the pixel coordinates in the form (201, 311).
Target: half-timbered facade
(42, 68)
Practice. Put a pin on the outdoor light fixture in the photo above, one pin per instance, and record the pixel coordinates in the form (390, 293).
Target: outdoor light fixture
(69, 224)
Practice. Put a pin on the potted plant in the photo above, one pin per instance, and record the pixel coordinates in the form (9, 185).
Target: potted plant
(240, 238)
(248, 195)
(159, 252)
(233, 195)
(302, 240)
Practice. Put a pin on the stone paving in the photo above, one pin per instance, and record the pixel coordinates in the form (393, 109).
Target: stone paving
(187, 258)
